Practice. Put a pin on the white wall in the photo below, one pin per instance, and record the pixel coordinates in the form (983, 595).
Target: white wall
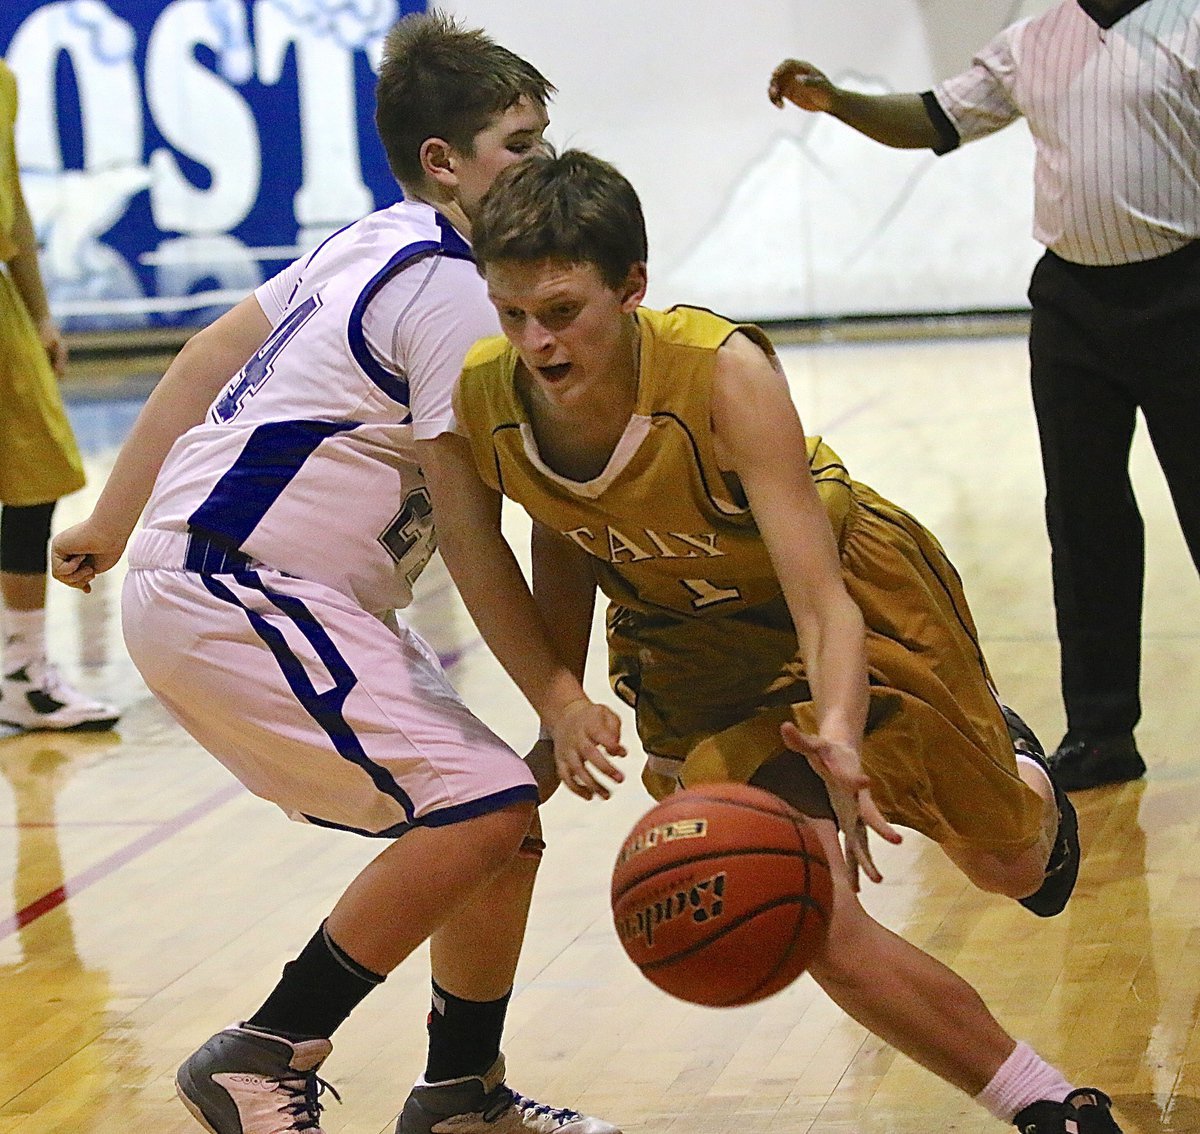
(761, 213)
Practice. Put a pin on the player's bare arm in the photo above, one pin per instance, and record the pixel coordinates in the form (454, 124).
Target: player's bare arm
(180, 400)
(897, 120)
(26, 276)
(564, 589)
(759, 437)
(491, 584)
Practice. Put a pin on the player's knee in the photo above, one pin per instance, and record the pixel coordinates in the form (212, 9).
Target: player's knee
(846, 954)
(499, 834)
(1009, 878)
(849, 958)
(1025, 880)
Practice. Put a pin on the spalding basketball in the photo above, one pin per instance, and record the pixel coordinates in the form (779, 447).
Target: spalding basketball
(721, 894)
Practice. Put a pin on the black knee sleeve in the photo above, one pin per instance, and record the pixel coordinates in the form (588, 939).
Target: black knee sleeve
(25, 538)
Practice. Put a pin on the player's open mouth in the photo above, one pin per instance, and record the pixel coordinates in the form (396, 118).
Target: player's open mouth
(555, 373)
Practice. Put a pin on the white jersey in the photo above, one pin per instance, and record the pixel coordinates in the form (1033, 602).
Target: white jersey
(305, 462)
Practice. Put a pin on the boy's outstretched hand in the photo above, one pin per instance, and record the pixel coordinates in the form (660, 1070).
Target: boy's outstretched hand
(585, 736)
(849, 789)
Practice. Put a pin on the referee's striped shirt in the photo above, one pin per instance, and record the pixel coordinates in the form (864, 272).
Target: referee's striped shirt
(1115, 114)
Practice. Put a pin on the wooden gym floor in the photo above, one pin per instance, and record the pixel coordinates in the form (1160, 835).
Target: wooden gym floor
(147, 900)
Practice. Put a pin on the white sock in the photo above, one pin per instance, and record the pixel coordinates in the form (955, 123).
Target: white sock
(1024, 1078)
(24, 638)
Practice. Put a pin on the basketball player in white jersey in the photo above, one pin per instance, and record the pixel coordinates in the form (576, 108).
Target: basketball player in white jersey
(285, 519)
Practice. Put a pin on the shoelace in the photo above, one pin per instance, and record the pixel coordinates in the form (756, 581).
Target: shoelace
(306, 1108)
(506, 1097)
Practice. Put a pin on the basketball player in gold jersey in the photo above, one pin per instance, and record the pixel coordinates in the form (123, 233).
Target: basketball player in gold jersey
(770, 619)
(39, 463)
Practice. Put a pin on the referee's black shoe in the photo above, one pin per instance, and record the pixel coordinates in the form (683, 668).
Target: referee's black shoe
(1062, 868)
(1085, 1111)
(1092, 762)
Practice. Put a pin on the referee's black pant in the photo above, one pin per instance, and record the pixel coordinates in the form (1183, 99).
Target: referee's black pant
(1104, 343)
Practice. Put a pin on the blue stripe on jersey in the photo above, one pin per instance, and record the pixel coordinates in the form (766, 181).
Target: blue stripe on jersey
(324, 708)
(446, 815)
(395, 385)
(392, 832)
(311, 256)
(453, 245)
(273, 455)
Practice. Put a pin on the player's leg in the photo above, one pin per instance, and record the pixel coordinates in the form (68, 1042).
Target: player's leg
(944, 756)
(1007, 844)
(917, 1004)
(346, 724)
(354, 724)
(33, 695)
(260, 1077)
(925, 1010)
(474, 958)
(1042, 875)
(39, 464)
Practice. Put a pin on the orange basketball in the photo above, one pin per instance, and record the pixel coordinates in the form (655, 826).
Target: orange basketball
(722, 894)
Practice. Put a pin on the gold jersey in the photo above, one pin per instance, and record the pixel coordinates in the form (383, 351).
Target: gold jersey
(39, 461)
(667, 528)
(700, 640)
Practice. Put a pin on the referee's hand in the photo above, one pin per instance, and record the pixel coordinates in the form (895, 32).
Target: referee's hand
(802, 84)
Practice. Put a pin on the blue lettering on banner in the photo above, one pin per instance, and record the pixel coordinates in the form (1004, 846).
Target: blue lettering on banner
(175, 155)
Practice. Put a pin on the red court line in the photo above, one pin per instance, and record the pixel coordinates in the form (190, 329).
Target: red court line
(106, 866)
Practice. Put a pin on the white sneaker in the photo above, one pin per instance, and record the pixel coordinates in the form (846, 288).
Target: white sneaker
(36, 697)
(482, 1104)
(243, 1081)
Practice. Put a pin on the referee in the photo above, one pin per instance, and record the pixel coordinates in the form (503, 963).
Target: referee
(1111, 93)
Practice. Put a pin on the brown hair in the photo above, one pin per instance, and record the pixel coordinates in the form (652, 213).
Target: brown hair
(573, 207)
(441, 80)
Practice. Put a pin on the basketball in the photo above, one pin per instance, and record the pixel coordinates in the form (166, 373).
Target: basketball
(721, 894)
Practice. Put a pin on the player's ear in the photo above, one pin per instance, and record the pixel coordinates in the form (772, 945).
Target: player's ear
(437, 162)
(633, 289)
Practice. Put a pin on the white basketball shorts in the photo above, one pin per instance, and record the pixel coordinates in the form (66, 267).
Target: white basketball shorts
(309, 700)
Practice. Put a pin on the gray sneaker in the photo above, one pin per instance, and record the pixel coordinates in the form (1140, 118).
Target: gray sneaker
(482, 1104)
(243, 1081)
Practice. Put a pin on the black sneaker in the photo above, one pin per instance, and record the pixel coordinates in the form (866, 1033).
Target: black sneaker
(1085, 1111)
(1062, 868)
(1089, 763)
